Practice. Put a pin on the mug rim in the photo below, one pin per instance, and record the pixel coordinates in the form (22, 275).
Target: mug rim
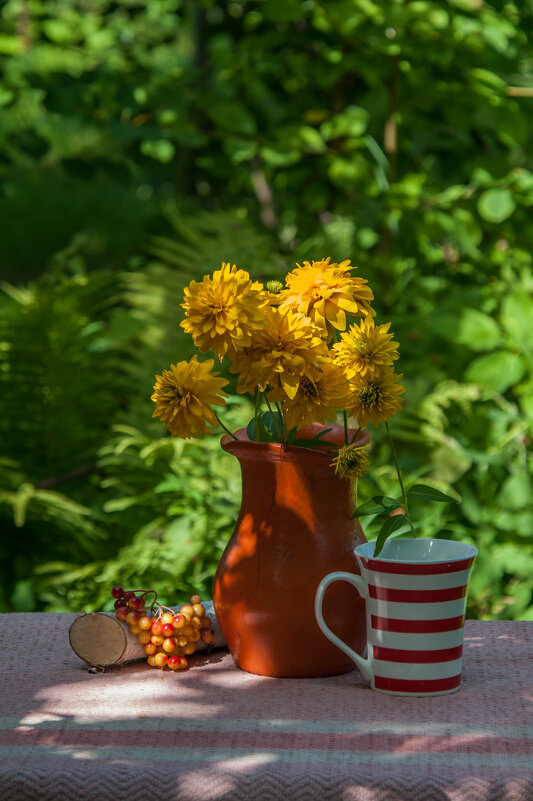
(470, 551)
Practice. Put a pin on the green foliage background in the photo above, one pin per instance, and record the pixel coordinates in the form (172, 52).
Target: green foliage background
(142, 142)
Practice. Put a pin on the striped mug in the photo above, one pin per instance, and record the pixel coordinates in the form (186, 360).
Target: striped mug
(415, 593)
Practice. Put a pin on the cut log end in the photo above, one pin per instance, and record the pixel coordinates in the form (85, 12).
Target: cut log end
(98, 639)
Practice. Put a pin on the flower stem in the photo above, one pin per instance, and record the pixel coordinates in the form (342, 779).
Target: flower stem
(224, 427)
(356, 435)
(345, 418)
(344, 413)
(404, 496)
(256, 414)
(279, 433)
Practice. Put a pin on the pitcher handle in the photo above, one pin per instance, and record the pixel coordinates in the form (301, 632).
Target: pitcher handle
(360, 586)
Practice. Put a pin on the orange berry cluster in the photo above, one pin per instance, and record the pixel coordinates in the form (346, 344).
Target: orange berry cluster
(168, 637)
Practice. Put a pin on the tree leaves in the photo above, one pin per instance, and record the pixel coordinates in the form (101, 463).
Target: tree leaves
(498, 370)
(496, 205)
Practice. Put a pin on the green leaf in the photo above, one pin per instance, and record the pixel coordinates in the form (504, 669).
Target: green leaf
(425, 493)
(517, 314)
(496, 205)
(232, 116)
(477, 330)
(516, 491)
(250, 430)
(499, 370)
(390, 525)
(20, 503)
(280, 158)
(264, 433)
(350, 122)
(22, 599)
(310, 442)
(270, 425)
(159, 149)
(291, 437)
(376, 506)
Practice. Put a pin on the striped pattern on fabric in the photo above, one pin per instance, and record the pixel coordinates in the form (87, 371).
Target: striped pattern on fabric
(214, 733)
(415, 617)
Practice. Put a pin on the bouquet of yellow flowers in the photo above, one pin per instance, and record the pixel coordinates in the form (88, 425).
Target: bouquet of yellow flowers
(309, 350)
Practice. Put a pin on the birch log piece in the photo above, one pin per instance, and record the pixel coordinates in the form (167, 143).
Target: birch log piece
(100, 639)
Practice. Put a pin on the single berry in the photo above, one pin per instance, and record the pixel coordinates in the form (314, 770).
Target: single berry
(167, 618)
(174, 662)
(145, 622)
(178, 621)
(156, 627)
(118, 603)
(161, 659)
(169, 645)
(167, 629)
(195, 599)
(117, 591)
(207, 636)
(132, 618)
(150, 648)
(122, 613)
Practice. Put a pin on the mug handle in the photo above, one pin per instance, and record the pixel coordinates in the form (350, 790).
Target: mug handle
(360, 586)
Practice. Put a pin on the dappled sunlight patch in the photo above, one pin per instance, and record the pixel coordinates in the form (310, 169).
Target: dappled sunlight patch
(208, 786)
(248, 762)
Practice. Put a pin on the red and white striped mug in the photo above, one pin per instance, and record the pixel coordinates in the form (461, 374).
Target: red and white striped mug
(415, 593)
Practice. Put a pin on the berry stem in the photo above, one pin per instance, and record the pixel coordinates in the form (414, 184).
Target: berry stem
(144, 593)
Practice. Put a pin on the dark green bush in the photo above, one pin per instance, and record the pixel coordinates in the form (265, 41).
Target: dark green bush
(141, 143)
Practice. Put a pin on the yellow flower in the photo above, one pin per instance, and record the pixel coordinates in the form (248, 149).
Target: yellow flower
(351, 461)
(375, 397)
(223, 310)
(184, 395)
(325, 292)
(365, 349)
(320, 394)
(280, 352)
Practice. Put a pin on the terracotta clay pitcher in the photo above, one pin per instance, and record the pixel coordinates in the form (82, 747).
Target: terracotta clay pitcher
(294, 527)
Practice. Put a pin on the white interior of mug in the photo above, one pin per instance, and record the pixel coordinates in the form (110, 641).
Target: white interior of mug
(418, 550)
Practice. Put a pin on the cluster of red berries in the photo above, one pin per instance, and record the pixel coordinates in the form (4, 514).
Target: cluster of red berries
(168, 637)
